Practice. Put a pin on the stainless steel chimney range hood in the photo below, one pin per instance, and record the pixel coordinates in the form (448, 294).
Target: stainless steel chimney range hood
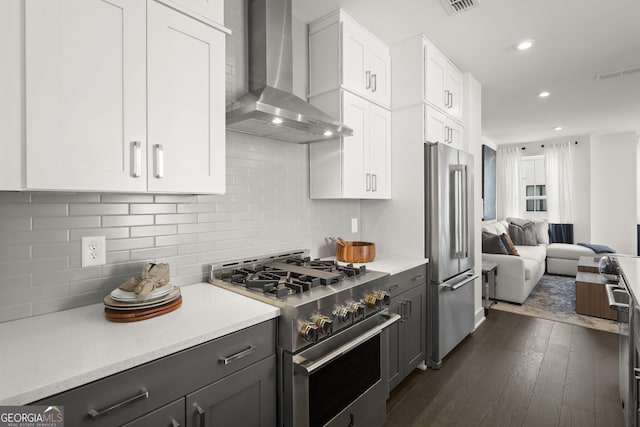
(270, 109)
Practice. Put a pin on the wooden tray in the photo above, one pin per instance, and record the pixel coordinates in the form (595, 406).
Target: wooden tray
(123, 316)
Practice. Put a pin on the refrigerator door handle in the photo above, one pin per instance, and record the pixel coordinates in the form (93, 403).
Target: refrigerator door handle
(459, 230)
(457, 285)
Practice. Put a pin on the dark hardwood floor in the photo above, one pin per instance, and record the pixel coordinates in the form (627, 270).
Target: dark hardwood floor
(516, 370)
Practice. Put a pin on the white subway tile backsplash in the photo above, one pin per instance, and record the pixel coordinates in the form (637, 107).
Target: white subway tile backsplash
(127, 220)
(266, 210)
(137, 209)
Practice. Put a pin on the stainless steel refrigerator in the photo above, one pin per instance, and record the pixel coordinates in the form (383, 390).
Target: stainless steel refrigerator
(449, 247)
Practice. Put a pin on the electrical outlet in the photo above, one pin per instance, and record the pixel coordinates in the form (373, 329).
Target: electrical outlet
(94, 251)
(354, 225)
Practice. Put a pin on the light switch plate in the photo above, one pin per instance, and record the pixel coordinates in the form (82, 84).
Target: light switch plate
(354, 225)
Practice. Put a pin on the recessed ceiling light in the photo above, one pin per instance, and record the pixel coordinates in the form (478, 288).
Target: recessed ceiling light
(276, 120)
(525, 44)
(327, 133)
(544, 94)
(557, 128)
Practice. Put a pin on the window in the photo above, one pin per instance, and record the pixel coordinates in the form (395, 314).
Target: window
(534, 186)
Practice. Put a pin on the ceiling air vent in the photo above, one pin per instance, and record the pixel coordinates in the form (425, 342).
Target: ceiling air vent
(454, 7)
(618, 73)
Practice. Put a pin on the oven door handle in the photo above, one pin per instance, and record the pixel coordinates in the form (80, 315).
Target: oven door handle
(310, 366)
(611, 291)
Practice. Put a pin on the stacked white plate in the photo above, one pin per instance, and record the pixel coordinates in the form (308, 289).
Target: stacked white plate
(126, 300)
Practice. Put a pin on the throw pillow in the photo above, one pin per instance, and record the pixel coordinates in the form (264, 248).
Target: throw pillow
(492, 244)
(542, 232)
(508, 243)
(524, 235)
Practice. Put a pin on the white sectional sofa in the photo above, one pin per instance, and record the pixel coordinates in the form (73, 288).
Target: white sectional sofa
(516, 275)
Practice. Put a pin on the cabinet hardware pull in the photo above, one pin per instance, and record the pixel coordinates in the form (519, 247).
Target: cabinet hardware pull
(352, 420)
(201, 415)
(174, 423)
(374, 180)
(368, 182)
(159, 160)
(137, 159)
(450, 98)
(144, 394)
(367, 77)
(410, 305)
(450, 134)
(393, 287)
(239, 355)
(418, 277)
(446, 98)
(374, 82)
(402, 312)
(446, 134)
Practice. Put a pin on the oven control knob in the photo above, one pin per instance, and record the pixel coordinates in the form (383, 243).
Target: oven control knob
(357, 308)
(344, 314)
(309, 331)
(384, 297)
(324, 324)
(373, 301)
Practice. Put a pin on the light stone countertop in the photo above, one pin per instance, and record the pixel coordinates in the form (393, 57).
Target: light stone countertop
(44, 355)
(391, 263)
(631, 272)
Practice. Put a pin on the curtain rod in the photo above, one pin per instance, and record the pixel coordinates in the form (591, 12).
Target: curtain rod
(524, 148)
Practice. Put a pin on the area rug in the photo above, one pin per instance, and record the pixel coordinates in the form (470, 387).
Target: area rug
(554, 298)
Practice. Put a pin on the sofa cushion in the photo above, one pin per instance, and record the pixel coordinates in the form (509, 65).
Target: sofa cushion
(492, 244)
(523, 234)
(536, 253)
(541, 226)
(568, 251)
(508, 243)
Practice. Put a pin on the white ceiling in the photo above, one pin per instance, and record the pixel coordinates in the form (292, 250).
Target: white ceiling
(575, 40)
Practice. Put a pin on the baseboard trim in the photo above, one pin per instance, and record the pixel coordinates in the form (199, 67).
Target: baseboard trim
(479, 317)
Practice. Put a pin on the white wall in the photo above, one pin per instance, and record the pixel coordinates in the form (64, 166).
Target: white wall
(613, 191)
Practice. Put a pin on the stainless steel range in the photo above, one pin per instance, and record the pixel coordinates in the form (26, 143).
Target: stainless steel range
(332, 335)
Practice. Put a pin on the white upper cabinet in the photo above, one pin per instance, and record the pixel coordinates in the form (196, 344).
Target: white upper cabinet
(443, 87)
(85, 95)
(120, 95)
(343, 54)
(422, 74)
(11, 99)
(186, 108)
(358, 166)
(439, 127)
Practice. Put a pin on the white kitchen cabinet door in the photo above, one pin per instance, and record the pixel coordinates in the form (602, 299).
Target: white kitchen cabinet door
(379, 155)
(356, 74)
(355, 152)
(11, 99)
(380, 65)
(443, 83)
(186, 79)
(85, 95)
(439, 127)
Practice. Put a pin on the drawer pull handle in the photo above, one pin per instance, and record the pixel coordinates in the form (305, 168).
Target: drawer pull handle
(239, 355)
(201, 415)
(418, 277)
(174, 423)
(144, 394)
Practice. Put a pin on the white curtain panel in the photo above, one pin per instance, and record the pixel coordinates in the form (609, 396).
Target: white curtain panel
(508, 197)
(558, 165)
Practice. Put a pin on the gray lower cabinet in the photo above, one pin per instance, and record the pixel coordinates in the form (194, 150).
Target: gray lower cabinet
(246, 398)
(155, 393)
(170, 415)
(407, 338)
